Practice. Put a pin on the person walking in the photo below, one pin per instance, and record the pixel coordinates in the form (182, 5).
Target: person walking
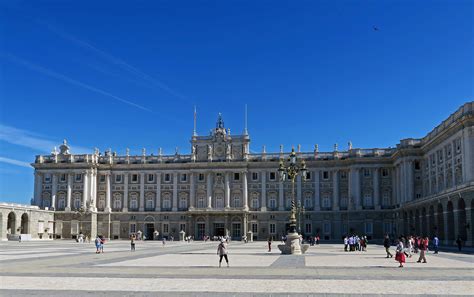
(222, 252)
(269, 244)
(132, 243)
(436, 244)
(400, 255)
(459, 243)
(422, 246)
(97, 244)
(346, 243)
(102, 242)
(409, 247)
(386, 245)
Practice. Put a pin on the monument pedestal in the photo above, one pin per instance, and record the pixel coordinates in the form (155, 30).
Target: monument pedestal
(292, 245)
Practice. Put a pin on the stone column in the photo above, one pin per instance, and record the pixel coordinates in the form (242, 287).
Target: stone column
(468, 154)
(54, 191)
(85, 188)
(125, 192)
(175, 192)
(93, 184)
(393, 176)
(355, 187)
(108, 192)
(38, 188)
(245, 190)
(209, 190)
(246, 226)
(281, 196)
(158, 192)
(227, 190)
(317, 204)
(376, 189)
(192, 191)
(142, 192)
(70, 176)
(264, 191)
(298, 189)
(410, 181)
(335, 190)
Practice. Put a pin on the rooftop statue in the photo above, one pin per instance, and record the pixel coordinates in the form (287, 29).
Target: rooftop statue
(64, 148)
(220, 122)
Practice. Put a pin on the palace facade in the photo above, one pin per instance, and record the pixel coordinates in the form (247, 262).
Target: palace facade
(422, 186)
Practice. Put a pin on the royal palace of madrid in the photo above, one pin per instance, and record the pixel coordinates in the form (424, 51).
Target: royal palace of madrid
(422, 186)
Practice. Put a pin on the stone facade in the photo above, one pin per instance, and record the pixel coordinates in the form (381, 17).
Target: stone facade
(423, 185)
(31, 221)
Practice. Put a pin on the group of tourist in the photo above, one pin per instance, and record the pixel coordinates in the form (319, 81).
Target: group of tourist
(355, 243)
(99, 244)
(409, 245)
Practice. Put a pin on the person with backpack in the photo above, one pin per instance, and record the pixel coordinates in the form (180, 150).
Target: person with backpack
(222, 252)
(97, 244)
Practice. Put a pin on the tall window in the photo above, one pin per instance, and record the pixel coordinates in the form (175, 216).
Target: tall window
(254, 176)
(368, 199)
(236, 176)
(167, 202)
(166, 228)
(78, 177)
(117, 202)
(272, 176)
(326, 201)
(149, 203)
(236, 201)
(254, 203)
(167, 177)
(183, 202)
(151, 178)
(308, 228)
(118, 178)
(325, 174)
(133, 228)
(272, 228)
(219, 201)
(134, 203)
(62, 178)
(327, 228)
(200, 202)
(254, 228)
(201, 177)
(134, 178)
(368, 227)
(272, 203)
(184, 177)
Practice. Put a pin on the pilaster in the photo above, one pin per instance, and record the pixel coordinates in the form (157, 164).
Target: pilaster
(142, 192)
(245, 193)
(209, 190)
(192, 191)
(376, 189)
(54, 190)
(175, 192)
(317, 205)
(264, 191)
(158, 192)
(125, 192)
(69, 191)
(335, 189)
(227, 190)
(108, 193)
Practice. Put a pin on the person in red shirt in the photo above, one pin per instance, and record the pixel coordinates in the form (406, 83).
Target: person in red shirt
(423, 247)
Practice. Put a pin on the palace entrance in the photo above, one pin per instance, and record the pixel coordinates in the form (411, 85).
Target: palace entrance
(219, 229)
(149, 229)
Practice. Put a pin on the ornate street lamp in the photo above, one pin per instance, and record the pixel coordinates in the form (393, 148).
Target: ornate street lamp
(290, 172)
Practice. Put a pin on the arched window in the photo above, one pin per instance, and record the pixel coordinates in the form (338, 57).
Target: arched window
(254, 202)
(219, 200)
(101, 201)
(134, 201)
(77, 201)
(326, 200)
(167, 201)
(150, 201)
(201, 202)
(368, 199)
(61, 200)
(117, 201)
(272, 200)
(183, 200)
(236, 201)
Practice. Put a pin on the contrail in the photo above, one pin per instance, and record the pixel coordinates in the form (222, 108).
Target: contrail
(14, 162)
(117, 61)
(72, 81)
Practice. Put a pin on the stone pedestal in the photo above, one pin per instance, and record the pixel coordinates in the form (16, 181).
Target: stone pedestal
(182, 235)
(292, 245)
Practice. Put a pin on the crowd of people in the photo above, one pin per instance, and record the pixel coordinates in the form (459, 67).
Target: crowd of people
(355, 243)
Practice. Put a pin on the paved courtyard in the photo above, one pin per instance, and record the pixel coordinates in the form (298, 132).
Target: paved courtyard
(67, 268)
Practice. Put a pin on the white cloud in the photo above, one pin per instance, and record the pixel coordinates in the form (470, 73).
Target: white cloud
(15, 162)
(33, 140)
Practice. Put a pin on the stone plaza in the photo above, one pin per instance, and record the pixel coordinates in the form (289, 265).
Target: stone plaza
(67, 268)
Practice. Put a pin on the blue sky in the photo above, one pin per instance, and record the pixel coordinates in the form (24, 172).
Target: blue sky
(124, 74)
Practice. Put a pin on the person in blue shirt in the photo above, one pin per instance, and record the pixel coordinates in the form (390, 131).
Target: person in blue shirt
(435, 244)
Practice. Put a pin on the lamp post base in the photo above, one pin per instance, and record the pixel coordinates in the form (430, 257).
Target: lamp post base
(292, 245)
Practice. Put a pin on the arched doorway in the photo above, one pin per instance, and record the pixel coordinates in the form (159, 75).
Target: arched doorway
(432, 223)
(24, 224)
(440, 225)
(462, 224)
(450, 213)
(424, 223)
(11, 223)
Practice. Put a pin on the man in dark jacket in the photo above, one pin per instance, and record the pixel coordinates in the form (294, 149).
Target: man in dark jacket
(386, 244)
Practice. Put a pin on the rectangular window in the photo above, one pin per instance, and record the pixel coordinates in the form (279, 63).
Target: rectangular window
(254, 228)
(368, 227)
(151, 178)
(236, 176)
(184, 177)
(47, 178)
(134, 178)
(272, 203)
(254, 176)
(308, 228)
(366, 172)
(165, 228)
(78, 177)
(384, 172)
(343, 175)
(327, 228)
(118, 178)
(201, 177)
(102, 178)
(272, 176)
(167, 177)
(182, 227)
(62, 178)
(272, 228)
(133, 228)
(308, 175)
(325, 174)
